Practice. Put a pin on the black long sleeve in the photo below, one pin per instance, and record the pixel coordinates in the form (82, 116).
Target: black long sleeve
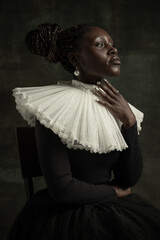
(56, 169)
(129, 167)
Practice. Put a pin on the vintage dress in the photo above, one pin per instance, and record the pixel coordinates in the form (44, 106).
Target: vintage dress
(80, 202)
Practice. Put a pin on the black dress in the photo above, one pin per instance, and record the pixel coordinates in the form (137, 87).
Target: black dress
(80, 202)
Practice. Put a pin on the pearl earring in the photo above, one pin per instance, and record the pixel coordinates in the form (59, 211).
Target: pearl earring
(76, 73)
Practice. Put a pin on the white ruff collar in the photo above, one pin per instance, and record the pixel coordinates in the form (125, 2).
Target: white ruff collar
(70, 110)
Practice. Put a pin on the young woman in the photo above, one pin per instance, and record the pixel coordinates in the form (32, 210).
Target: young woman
(87, 140)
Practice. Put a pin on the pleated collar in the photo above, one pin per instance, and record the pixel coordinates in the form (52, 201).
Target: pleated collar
(83, 85)
(70, 109)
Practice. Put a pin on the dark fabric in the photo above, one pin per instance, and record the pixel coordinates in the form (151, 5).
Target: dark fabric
(80, 177)
(80, 202)
(129, 218)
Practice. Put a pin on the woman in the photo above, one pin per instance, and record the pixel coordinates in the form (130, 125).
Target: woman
(86, 132)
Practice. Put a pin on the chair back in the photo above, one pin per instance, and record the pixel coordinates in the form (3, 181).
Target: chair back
(28, 155)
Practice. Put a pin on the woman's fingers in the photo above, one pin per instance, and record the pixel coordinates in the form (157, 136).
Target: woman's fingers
(113, 93)
(104, 103)
(122, 192)
(110, 86)
(106, 90)
(102, 94)
(115, 103)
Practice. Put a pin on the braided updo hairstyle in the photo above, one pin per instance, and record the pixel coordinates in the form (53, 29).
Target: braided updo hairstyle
(54, 43)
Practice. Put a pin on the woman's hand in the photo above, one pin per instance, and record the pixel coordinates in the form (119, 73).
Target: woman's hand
(116, 104)
(122, 192)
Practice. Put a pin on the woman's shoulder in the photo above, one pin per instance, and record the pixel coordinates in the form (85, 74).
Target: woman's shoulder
(42, 131)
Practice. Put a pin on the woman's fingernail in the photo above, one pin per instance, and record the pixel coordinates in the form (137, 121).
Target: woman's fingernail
(98, 83)
(105, 80)
(97, 99)
(97, 88)
(102, 90)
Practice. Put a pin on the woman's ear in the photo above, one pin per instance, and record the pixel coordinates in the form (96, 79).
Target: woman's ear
(73, 58)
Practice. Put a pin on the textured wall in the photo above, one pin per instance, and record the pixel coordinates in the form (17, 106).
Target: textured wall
(133, 26)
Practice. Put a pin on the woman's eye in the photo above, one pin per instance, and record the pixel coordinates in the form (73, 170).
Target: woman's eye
(100, 44)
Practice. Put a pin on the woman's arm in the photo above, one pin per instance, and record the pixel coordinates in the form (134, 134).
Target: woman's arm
(130, 164)
(55, 167)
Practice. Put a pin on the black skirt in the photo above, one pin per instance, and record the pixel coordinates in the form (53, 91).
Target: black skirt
(130, 217)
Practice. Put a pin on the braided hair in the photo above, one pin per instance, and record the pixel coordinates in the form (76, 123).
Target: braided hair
(54, 43)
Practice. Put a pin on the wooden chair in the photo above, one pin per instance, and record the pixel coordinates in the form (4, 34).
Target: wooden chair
(28, 155)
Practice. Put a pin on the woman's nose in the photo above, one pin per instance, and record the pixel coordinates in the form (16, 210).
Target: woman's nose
(113, 51)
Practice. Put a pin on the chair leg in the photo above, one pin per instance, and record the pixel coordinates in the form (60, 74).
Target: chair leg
(28, 185)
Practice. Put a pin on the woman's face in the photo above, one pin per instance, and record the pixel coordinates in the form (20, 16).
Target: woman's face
(97, 55)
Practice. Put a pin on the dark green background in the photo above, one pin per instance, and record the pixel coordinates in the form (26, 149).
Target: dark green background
(133, 25)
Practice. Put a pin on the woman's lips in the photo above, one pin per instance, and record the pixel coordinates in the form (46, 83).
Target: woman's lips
(115, 61)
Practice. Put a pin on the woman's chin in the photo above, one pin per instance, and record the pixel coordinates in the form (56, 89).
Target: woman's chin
(115, 72)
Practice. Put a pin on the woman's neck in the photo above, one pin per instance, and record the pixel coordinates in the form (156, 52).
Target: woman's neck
(88, 78)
